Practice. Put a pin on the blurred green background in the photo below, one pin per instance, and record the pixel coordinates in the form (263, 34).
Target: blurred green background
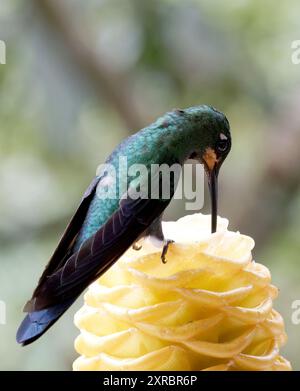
(82, 75)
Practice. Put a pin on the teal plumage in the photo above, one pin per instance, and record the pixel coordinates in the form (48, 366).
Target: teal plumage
(168, 140)
(102, 229)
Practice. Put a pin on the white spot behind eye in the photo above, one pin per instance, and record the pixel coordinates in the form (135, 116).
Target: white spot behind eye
(222, 136)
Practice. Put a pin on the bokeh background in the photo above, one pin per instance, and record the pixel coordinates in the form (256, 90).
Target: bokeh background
(82, 75)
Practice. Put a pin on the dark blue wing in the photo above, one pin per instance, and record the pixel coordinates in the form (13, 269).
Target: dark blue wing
(57, 291)
(66, 242)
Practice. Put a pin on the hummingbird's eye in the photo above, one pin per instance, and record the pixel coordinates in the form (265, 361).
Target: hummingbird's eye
(222, 146)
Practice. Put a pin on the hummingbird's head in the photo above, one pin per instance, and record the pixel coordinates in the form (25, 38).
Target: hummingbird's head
(209, 141)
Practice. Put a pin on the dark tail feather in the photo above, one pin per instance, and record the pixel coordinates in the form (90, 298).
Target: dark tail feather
(36, 323)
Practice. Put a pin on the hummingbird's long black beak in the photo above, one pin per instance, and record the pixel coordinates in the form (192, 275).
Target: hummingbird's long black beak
(213, 189)
(212, 166)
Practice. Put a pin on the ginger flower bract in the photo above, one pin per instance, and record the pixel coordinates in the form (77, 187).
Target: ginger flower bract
(210, 307)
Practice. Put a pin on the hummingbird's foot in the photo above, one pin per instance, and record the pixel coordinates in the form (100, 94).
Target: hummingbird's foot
(136, 246)
(167, 242)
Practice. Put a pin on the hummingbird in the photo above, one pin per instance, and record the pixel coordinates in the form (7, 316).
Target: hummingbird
(103, 228)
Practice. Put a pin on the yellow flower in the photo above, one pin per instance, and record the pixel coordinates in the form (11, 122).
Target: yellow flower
(208, 308)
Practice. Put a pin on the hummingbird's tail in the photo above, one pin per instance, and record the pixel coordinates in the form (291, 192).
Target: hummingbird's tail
(36, 323)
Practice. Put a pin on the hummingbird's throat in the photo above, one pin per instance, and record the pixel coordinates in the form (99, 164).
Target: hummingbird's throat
(210, 158)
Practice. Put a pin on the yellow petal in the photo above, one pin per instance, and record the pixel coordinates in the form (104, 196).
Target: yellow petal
(210, 307)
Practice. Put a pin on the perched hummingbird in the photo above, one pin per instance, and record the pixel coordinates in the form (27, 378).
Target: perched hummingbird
(103, 228)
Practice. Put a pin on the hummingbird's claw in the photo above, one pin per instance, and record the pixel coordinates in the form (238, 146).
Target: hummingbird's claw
(137, 246)
(167, 242)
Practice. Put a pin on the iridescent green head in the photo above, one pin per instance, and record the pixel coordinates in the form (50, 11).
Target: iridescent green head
(202, 133)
